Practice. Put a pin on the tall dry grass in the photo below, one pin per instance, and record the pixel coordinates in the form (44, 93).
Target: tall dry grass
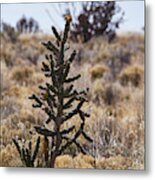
(114, 74)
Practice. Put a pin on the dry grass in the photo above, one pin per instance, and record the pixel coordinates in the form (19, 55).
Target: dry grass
(132, 75)
(116, 101)
(97, 71)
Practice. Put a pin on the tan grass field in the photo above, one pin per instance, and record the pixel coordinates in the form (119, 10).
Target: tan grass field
(114, 74)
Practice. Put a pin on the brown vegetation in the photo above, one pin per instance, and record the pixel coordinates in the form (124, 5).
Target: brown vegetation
(116, 101)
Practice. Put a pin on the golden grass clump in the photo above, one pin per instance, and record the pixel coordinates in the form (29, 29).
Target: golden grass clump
(115, 162)
(103, 54)
(9, 157)
(105, 93)
(25, 38)
(96, 91)
(79, 161)
(7, 135)
(125, 38)
(64, 161)
(18, 91)
(132, 75)
(86, 161)
(37, 78)
(22, 74)
(5, 81)
(8, 54)
(98, 87)
(98, 70)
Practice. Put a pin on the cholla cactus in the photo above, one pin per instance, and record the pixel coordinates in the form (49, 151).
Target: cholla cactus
(57, 97)
(27, 156)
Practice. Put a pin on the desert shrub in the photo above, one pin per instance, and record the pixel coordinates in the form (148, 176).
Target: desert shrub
(26, 117)
(115, 162)
(64, 161)
(8, 107)
(5, 80)
(7, 58)
(85, 161)
(8, 54)
(103, 55)
(22, 75)
(103, 93)
(31, 55)
(24, 25)
(132, 75)
(111, 134)
(79, 161)
(107, 132)
(123, 54)
(28, 51)
(109, 95)
(9, 32)
(9, 157)
(125, 57)
(96, 92)
(112, 94)
(95, 19)
(120, 58)
(98, 87)
(97, 71)
(6, 136)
